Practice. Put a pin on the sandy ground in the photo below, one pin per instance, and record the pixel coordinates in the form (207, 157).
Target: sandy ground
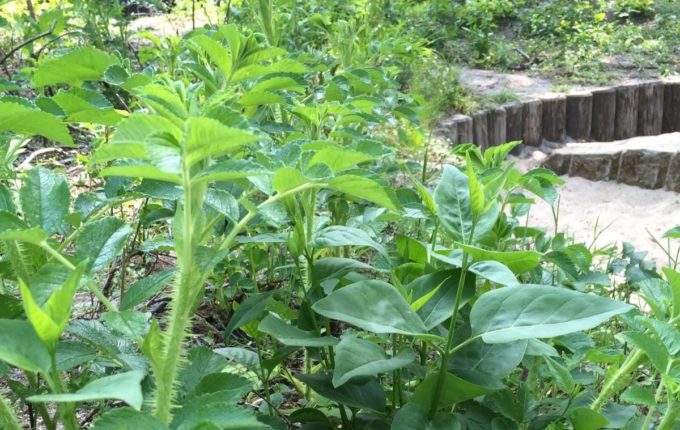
(629, 213)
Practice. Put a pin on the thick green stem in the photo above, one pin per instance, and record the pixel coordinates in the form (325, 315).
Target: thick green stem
(8, 419)
(449, 343)
(670, 420)
(652, 409)
(617, 380)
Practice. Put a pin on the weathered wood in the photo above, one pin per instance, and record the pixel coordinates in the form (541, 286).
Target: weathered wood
(513, 122)
(604, 115)
(480, 129)
(579, 115)
(464, 123)
(671, 107)
(532, 118)
(625, 125)
(650, 108)
(447, 128)
(497, 122)
(555, 118)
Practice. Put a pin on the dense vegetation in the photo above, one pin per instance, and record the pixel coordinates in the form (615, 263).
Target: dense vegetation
(241, 228)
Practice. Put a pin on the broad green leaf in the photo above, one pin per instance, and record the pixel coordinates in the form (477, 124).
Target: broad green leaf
(145, 288)
(50, 320)
(339, 159)
(537, 311)
(456, 389)
(494, 361)
(242, 356)
(517, 261)
(128, 141)
(101, 241)
(561, 375)
(215, 51)
(673, 278)
(22, 348)
(363, 188)
(207, 137)
(362, 395)
(45, 199)
(79, 106)
(339, 235)
(287, 178)
(639, 395)
(494, 272)
(293, 336)
(673, 233)
(143, 171)
(125, 387)
(229, 170)
(413, 416)
(372, 305)
(454, 210)
(439, 307)
(654, 349)
(6, 200)
(127, 419)
(583, 418)
(357, 358)
(28, 121)
(476, 191)
(131, 324)
(251, 309)
(666, 332)
(75, 67)
(336, 268)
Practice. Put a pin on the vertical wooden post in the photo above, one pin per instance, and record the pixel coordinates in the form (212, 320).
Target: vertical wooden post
(650, 108)
(671, 107)
(604, 115)
(513, 122)
(497, 124)
(480, 129)
(625, 125)
(464, 123)
(532, 118)
(555, 118)
(579, 115)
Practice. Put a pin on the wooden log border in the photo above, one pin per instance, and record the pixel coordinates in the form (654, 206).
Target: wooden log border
(602, 114)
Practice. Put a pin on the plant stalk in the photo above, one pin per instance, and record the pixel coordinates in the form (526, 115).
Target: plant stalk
(8, 419)
(617, 380)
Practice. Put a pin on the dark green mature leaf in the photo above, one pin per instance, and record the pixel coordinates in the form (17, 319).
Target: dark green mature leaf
(456, 389)
(452, 198)
(293, 336)
(250, 310)
(359, 358)
(494, 272)
(583, 418)
(127, 419)
(28, 121)
(101, 241)
(243, 356)
(22, 348)
(439, 307)
(413, 416)
(516, 261)
(146, 288)
(364, 395)
(123, 386)
(495, 361)
(229, 170)
(45, 199)
(639, 395)
(339, 235)
(75, 67)
(363, 188)
(88, 106)
(654, 349)
(375, 306)
(537, 311)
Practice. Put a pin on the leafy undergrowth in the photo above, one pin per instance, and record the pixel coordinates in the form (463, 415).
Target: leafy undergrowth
(235, 234)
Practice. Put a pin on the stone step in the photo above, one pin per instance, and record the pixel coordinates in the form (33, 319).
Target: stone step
(648, 162)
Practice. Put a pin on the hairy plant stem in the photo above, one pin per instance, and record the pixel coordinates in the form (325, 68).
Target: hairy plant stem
(672, 415)
(8, 419)
(617, 380)
(652, 409)
(182, 302)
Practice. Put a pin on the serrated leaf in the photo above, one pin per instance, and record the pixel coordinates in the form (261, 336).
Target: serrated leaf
(363, 188)
(101, 241)
(45, 199)
(207, 137)
(29, 121)
(75, 67)
(127, 419)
